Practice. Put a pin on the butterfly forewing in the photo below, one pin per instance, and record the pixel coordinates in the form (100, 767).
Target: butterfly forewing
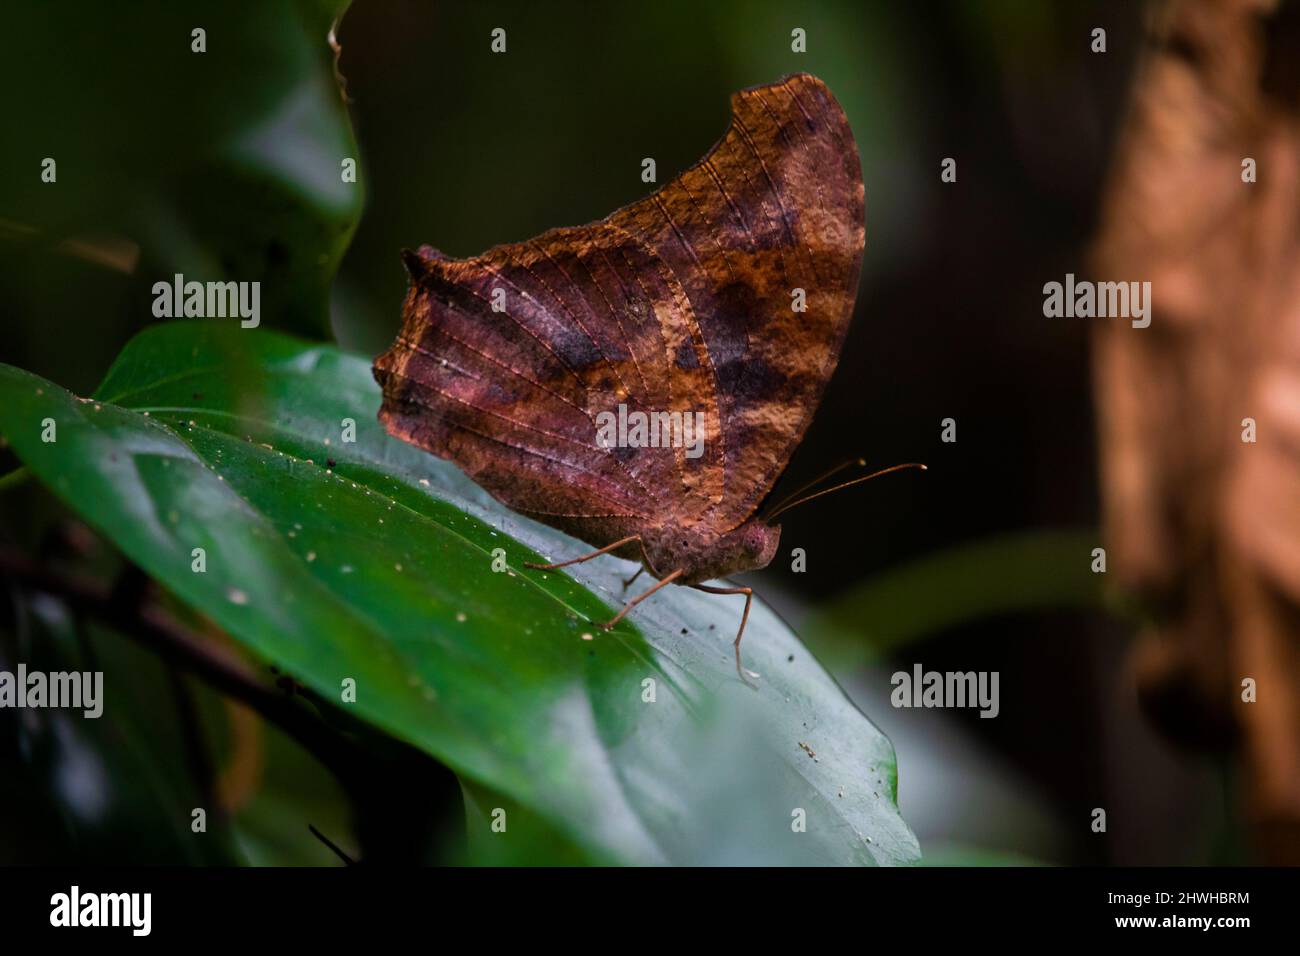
(776, 206)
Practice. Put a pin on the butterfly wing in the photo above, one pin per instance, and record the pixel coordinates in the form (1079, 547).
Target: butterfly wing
(776, 206)
(680, 303)
(507, 362)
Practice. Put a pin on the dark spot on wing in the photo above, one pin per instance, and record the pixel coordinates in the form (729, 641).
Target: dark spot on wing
(752, 380)
(686, 357)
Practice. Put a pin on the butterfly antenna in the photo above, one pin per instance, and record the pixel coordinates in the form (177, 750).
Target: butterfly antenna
(860, 462)
(846, 484)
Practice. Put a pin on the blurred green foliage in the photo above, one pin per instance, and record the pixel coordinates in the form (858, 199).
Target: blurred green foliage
(1009, 574)
(221, 165)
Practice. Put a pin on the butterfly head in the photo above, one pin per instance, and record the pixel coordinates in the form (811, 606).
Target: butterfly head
(758, 543)
(703, 557)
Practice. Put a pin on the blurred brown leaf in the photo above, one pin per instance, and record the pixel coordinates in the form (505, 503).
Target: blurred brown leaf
(1203, 525)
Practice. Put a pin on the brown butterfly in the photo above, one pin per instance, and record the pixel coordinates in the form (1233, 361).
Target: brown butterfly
(723, 298)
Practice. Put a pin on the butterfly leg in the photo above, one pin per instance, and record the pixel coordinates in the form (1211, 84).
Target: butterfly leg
(744, 618)
(586, 557)
(641, 597)
(628, 583)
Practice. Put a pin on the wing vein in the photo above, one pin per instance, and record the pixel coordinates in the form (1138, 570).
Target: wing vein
(415, 346)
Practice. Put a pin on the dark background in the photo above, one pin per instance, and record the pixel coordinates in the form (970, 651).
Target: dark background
(464, 149)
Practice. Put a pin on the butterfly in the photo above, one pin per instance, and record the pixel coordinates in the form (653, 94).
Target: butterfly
(723, 299)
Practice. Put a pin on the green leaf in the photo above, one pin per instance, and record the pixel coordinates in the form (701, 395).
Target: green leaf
(371, 561)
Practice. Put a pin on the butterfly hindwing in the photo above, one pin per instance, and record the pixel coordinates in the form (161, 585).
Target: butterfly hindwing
(507, 361)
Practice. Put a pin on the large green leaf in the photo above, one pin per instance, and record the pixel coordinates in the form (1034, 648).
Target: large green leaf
(372, 561)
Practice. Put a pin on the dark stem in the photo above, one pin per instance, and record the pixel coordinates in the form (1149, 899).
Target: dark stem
(332, 845)
(202, 766)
